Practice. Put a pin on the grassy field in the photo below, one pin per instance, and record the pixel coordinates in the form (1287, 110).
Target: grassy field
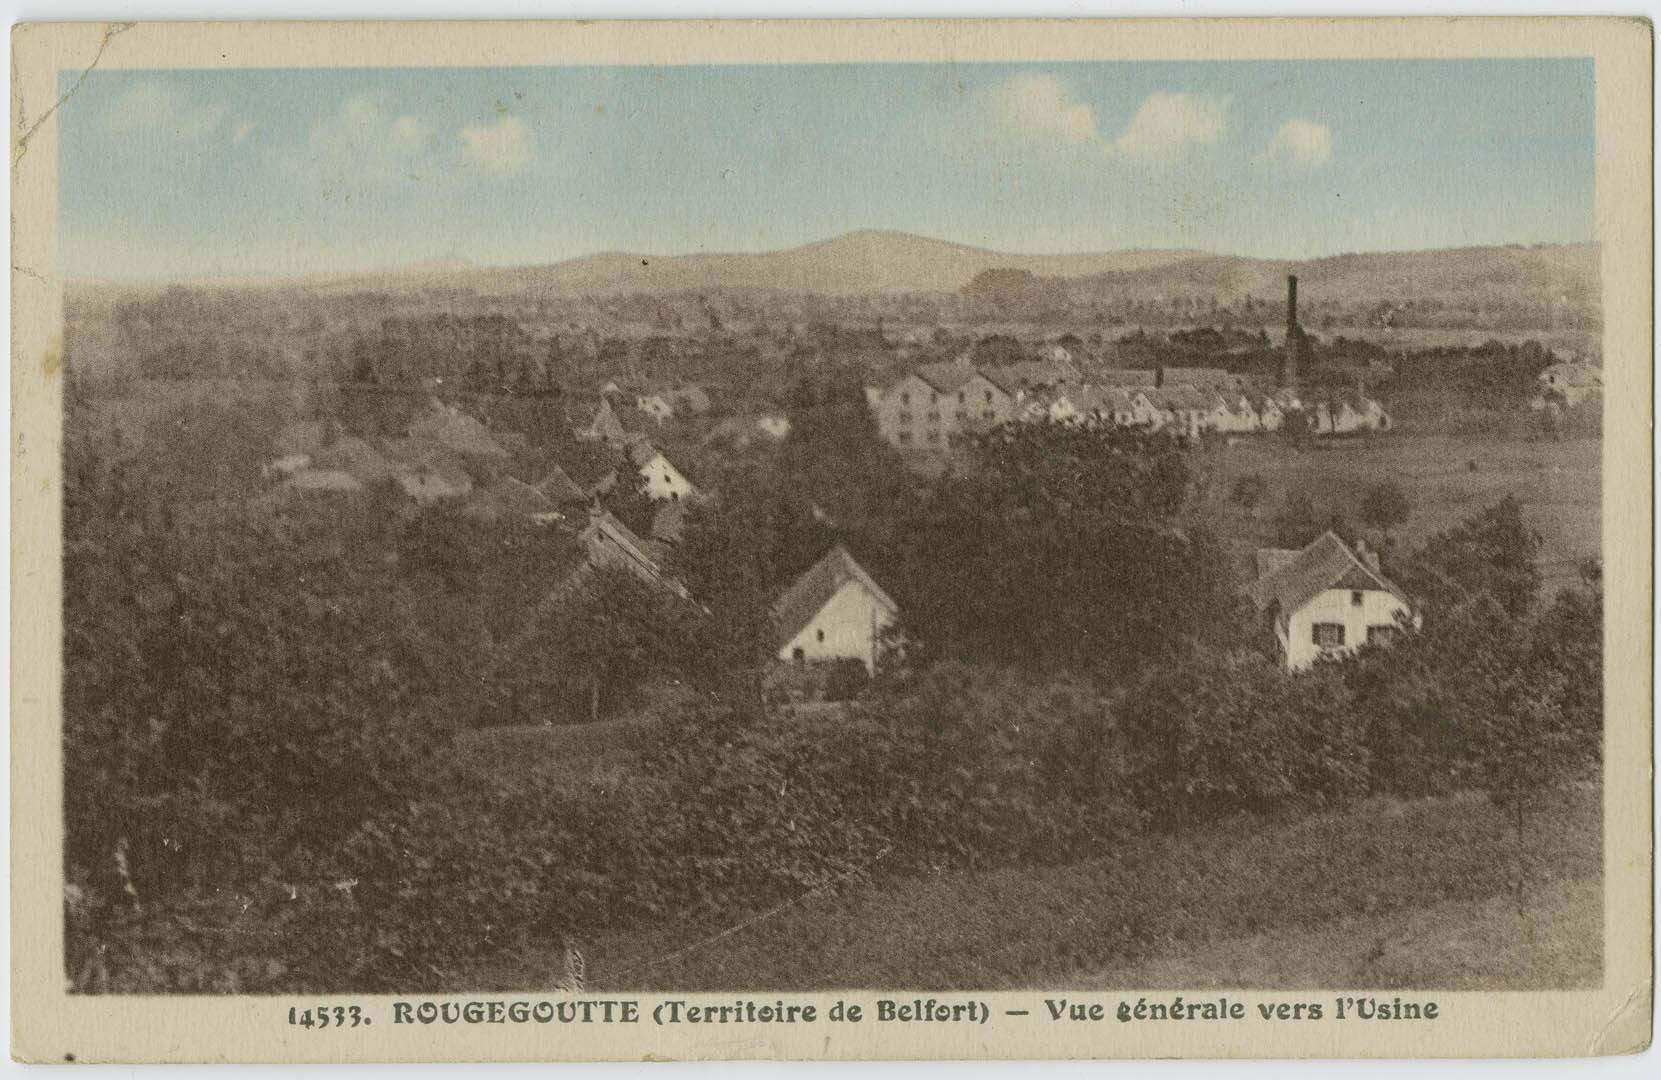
(1414, 894)
(1446, 477)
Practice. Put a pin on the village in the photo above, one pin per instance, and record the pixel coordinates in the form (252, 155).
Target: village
(658, 610)
(1327, 598)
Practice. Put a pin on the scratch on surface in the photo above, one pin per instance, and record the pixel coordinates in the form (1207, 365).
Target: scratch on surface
(109, 34)
(1634, 1002)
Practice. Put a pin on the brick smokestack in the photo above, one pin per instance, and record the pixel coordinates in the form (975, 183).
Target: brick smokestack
(1294, 335)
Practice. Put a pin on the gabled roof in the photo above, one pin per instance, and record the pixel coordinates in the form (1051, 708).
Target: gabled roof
(1029, 374)
(559, 486)
(456, 430)
(1124, 377)
(608, 542)
(808, 594)
(668, 521)
(508, 498)
(352, 455)
(948, 376)
(1295, 578)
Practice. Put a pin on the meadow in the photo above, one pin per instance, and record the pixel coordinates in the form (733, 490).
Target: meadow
(1445, 477)
(1433, 893)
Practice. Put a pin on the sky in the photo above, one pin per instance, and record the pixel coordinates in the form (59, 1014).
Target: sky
(192, 173)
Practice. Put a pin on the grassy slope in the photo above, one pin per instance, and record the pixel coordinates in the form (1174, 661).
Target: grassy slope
(1256, 902)
(1558, 483)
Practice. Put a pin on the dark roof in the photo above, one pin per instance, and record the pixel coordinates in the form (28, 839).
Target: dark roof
(1295, 578)
(668, 521)
(809, 594)
(947, 377)
(1122, 376)
(559, 486)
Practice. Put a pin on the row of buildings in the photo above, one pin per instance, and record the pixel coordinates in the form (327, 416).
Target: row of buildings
(935, 405)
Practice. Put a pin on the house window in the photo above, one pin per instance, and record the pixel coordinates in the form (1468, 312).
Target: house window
(905, 438)
(821, 635)
(960, 397)
(1355, 598)
(934, 436)
(962, 416)
(1380, 635)
(798, 654)
(934, 414)
(987, 414)
(1329, 635)
(905, 418)
(989, 397)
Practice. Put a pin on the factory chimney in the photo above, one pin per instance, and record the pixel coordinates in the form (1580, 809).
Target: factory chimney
(1294, 335)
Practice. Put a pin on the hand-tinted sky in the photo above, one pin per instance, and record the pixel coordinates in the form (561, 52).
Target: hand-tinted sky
(194, 172)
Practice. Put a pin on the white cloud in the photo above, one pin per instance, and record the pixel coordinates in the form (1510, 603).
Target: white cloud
(1040, 106)
(501, 149)
(1041, 110)
(1168, 125)
(1299, 146)
(364, 144)
(154, 110)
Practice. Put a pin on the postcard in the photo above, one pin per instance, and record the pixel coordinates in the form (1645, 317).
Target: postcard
(831, 540)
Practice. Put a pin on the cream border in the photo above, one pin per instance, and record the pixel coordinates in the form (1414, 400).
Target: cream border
(48, 1024)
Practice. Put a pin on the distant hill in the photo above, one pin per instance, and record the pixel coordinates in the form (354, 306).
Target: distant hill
(1463, 277)
(884, 262)
(868, 261)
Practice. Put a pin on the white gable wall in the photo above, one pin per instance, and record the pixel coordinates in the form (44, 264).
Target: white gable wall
(1377, 608)
(851, 621)
(664, 482)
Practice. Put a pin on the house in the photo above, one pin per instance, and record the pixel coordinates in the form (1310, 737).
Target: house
(350, 454)
(1325, 600)
(605, 426)
(1181, 409)
(659, 478)
(834, 611)
(457, 432)
(1572, 383)
(929, 408)
(607, 543)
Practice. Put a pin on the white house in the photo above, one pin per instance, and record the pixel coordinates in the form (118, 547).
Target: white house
(658, 476)
(1325, 600)
(834, 611)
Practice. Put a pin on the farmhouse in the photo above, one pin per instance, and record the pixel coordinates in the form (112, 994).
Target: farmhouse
(834, 611)
(1325, 600)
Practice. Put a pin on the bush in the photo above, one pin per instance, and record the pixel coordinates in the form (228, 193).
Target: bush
(1223, 733)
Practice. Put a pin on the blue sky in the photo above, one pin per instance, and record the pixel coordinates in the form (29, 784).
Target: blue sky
(168, 173)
